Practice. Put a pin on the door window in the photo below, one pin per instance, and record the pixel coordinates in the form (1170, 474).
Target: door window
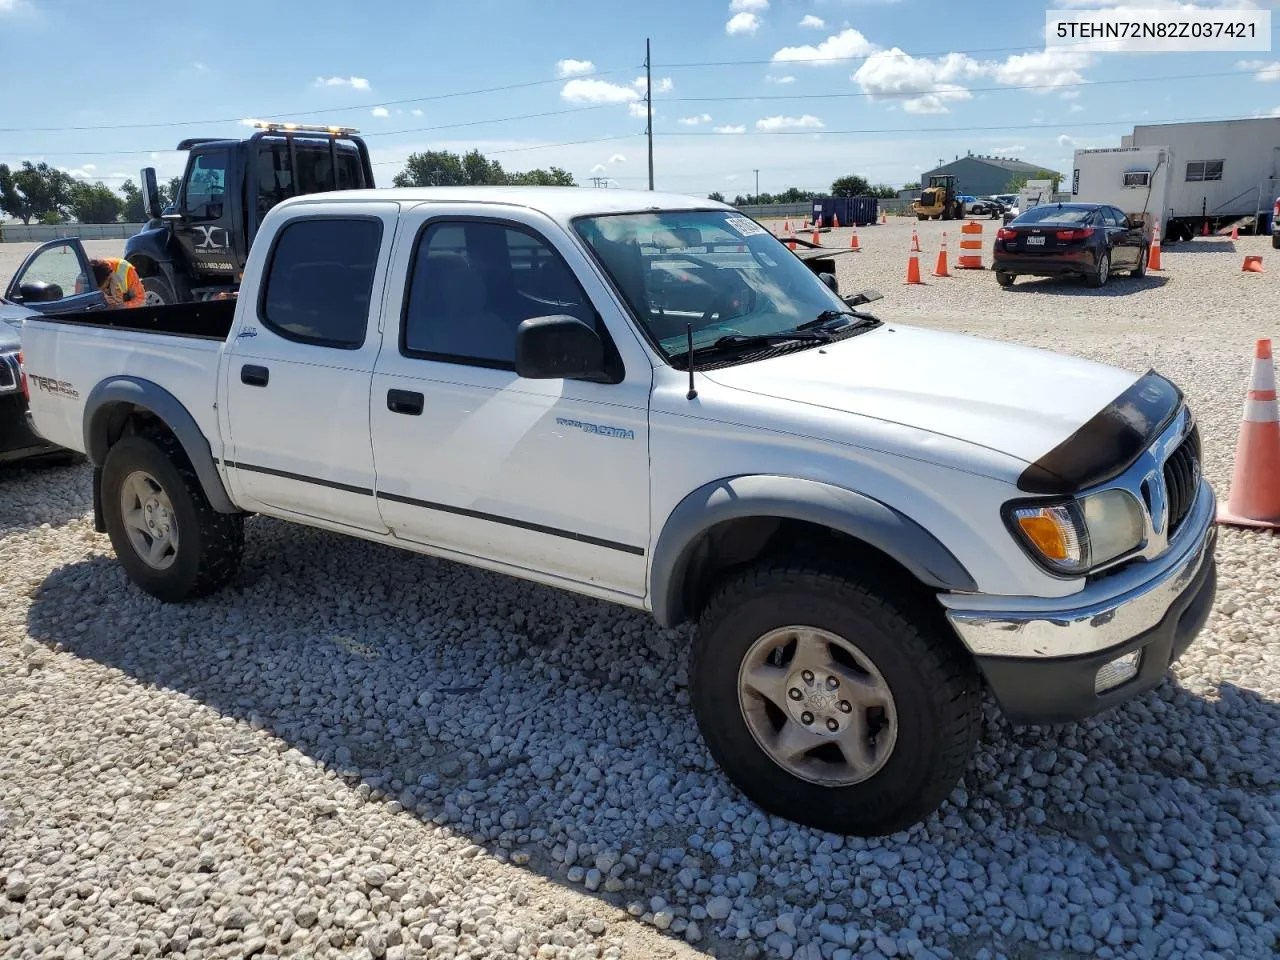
(1109, 217)
(473, 283)
(320, 281)
(207, 185)
(60, 270)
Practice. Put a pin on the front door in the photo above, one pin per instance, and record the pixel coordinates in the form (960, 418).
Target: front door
(56, 279)
(297, 374)
(548, 475)
(205, 223)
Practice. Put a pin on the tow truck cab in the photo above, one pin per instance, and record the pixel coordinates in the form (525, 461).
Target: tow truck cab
(197, 247)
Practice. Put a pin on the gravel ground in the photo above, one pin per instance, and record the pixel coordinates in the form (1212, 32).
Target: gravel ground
(358, 752)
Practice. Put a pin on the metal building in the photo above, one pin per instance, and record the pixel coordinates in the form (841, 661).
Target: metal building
(980, 176)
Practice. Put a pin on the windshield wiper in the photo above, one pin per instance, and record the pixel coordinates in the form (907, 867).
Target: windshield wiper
(826, 321)
(766, 339)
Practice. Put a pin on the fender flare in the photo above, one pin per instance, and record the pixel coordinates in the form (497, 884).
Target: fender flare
(153, 398)
(791, 498)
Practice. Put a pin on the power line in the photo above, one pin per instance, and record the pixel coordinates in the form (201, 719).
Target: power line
(328, 110)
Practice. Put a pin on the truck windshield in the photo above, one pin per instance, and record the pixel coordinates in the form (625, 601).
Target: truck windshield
(716, 270)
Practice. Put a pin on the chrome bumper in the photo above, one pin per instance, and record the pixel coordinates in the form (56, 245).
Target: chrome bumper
(1107, 613)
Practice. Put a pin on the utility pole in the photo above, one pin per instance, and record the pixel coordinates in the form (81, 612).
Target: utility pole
(757, 172)
(648, 102)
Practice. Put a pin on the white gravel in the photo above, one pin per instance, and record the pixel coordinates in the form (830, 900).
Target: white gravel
(358, 752)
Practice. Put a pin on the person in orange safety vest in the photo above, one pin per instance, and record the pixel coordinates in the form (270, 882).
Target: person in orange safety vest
(118, 281)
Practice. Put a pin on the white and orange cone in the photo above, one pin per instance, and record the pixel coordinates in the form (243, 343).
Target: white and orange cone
(915, 241)
(913, 268)
(815, 239)
(1255, 479)
(853, 239)
(940, 270)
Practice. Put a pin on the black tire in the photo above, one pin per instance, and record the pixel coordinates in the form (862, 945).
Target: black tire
(1275, 241)
(1004, 279)
(1140, 270)
(1102, 273)
(210, 544)
(922, 216)
(933, 685)
(158, 288)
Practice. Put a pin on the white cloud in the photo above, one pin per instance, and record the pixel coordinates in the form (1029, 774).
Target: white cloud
(599, 168)
(416, 111)
(355, 83)
(1007, 150)
(1070, 94)
(80, 173)
(638, 110)
(379, 111)
(664, 84)
(844, 45)
(811, 22)
(1065, 141)
(806, 122)
(199, 66)
(773, 79)
(735, 5)
(742, 23)
(571, 68)
(1076, 108)
(695, 120)
(1054, 67)
(90, 166)
(617, 158)
(1264, 71)
(731, 129)
(894, 73)
(597, 91)
(7, 5)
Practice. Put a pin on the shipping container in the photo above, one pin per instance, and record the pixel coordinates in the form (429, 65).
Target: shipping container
(850, 210)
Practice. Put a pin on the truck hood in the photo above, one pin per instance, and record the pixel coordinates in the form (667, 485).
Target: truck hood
(1019, 401)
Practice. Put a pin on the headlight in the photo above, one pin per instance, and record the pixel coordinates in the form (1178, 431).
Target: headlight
(1074, 536)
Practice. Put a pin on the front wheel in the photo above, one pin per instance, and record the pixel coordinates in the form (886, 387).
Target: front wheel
(829, 704)
(169, 539)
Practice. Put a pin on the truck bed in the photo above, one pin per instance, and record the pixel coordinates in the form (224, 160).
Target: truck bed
(205, 320)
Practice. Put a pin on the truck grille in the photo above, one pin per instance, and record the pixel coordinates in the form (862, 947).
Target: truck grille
(9, 381)
(1182, 478)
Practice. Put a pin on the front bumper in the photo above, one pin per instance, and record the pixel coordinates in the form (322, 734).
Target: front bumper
(1041, 659)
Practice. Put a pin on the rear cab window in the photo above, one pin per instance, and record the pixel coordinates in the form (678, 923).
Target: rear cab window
(319, 280)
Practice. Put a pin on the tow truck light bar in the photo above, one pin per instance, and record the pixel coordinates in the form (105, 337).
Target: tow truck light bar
(305, 128)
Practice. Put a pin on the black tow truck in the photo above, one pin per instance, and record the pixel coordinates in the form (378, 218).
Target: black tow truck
(196, 248)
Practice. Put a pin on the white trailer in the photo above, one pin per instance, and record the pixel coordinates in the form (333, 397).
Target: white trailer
(1135, 179)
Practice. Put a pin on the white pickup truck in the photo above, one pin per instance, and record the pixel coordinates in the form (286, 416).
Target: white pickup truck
(648, 398)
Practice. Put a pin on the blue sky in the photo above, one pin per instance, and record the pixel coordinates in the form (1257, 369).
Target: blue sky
(897, 73)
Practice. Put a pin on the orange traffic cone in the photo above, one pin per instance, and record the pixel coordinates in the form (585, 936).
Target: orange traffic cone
(835, 220)
(853, 240)
(915, 241)
(1153, 258)
(815, 239)
(1205, 231)
(884, 218)
(913, 268)
(1255, 480)
(1252, 264)
(1235, 232)
(941, 269)
(791, 243)
(786, 226)
(805, 225)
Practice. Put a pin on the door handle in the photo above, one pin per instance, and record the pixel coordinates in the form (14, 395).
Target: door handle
(404, 401)
(254, 375)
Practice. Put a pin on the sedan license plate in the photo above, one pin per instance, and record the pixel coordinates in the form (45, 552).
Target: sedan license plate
(1035, 241)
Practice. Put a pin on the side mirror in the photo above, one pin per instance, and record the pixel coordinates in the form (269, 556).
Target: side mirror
(1136, 223)
(39, 292)
(151, 193)
(556, 347)
(830, 280)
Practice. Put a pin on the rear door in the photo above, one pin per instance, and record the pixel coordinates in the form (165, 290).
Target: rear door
(296, 376)
(56, 279)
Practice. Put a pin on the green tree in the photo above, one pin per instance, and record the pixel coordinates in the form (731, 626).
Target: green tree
(882, 191)
(95, 203)
(716, 195)
(1018, 181)
(911, 186)
(442, 168)
(850, 186)
(132, 209)
(34, 191)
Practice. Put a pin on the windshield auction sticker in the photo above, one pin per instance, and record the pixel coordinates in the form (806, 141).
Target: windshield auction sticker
(1139, 30)
(744, 225)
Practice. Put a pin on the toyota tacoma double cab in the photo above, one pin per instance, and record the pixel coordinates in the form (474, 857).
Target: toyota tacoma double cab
(647, 398)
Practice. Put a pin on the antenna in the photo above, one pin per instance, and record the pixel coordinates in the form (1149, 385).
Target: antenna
(693, 392)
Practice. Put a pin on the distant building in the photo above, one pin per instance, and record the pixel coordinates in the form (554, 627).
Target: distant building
(981, 176)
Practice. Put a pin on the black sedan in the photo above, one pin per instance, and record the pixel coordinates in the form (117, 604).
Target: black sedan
(1090, 240)
(18, 441)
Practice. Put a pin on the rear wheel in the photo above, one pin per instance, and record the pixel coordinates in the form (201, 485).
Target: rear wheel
(170, 541)
(1102, 273)
(158, 291)
(828, 703)
(1141, 269)
(922, 216)
(1004, 279)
